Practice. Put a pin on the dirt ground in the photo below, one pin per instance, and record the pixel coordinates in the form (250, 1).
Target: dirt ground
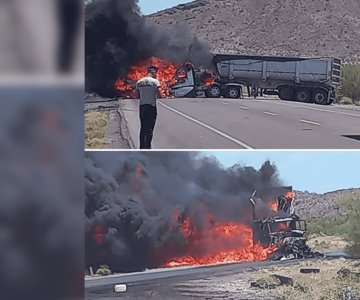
(327, 284)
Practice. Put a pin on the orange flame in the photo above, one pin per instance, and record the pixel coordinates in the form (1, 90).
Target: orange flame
(290, 196)
(99, 234)
(166, 76)
(283, 227)
(218, 243)
(273, 205)
(209, 80)
(138, 171)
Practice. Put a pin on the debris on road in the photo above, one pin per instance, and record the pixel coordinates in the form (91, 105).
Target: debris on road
(272, 282)
(120, 288)
(309, 270)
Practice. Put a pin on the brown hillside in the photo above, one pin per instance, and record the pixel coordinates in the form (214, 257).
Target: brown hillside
(273, 27)
(311, 205)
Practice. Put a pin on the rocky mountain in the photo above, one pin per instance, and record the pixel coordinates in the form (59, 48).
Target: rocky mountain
(311, 205)
(272, 27)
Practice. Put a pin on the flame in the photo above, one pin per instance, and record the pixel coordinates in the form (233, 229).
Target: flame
(273, 205)
(290, 196)
(139, 176)
(99, 234)
(218, 243)
(138, 171)
(283, 227)
(166, 76)
(209, 80)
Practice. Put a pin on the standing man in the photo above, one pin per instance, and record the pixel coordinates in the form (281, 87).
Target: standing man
(148, 88)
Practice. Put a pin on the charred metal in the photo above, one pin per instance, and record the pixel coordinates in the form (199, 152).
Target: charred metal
(285, 231)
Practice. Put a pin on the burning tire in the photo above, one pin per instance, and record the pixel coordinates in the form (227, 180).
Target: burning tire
(286, 93)
(233, 92)
(303, 95)
(213, 92)
(320, 97)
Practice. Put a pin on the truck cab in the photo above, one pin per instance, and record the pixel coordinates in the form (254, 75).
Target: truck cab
(184, 82)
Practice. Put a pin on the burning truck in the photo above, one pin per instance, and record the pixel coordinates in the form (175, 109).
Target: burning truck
(121, 43)
(285, 231)
(281, 236)
(297, 79)
(291, 78)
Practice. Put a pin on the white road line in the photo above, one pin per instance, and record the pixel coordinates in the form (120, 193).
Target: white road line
(244, 107)
(236, 141)
(269, 113)
(318, 109)
(310, 122)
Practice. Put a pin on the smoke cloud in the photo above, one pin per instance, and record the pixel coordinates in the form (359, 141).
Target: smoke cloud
(41, 200)
(118, 36)
(135, 203)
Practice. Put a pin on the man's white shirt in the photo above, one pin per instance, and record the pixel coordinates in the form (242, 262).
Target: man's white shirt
(147, 87)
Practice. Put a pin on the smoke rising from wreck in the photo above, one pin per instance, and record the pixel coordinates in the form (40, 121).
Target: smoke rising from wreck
(134, 202)
(118, 36)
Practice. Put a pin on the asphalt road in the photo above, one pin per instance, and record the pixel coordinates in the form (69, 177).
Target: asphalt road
(168, 284)
(207, 282)
(201, 123)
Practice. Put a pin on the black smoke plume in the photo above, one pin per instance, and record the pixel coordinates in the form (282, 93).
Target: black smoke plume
(41, 199)
(118, 36)
(131, 200)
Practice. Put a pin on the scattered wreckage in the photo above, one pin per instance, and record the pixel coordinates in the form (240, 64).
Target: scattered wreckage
(285, 231)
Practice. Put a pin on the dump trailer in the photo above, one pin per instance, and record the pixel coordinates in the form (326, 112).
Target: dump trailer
(291, 78)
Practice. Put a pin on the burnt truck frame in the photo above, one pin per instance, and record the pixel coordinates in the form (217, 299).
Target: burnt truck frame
(287, 234)
(314, 80)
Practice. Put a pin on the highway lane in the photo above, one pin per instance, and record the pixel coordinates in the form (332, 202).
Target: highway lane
(143, 277)
(168, 284)
(161, 283)
(245, 124)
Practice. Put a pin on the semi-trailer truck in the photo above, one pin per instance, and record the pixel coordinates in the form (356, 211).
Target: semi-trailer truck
(296, 79)
(285, 231)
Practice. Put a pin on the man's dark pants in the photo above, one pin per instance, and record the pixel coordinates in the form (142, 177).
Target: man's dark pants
(148, 115)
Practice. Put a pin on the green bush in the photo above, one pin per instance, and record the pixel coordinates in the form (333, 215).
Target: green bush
(353, 234)
(331, 226)
(347, 226)
(104, 270)
(346, 100)
(350, 81)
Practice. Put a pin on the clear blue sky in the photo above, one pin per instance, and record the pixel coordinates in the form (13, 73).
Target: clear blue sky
(313, 171)
(152, 6)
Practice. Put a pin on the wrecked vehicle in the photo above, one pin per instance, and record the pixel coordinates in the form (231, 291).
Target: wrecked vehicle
(300, 79)
(285, 230)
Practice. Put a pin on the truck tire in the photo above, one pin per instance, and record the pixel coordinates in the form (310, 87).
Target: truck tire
(286, 93)
(232, 92)
(303, 95)
(213, 92)
(320, 97)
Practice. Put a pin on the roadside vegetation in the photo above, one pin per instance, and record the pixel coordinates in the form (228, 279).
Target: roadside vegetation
(95, 130)
(104, 270)
(346, 227)
(350, 84)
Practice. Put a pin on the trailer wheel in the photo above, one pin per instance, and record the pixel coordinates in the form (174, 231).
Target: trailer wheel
(320, 97)
(303, 95)
(213, 92)
(286, 93)
(233, 92)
